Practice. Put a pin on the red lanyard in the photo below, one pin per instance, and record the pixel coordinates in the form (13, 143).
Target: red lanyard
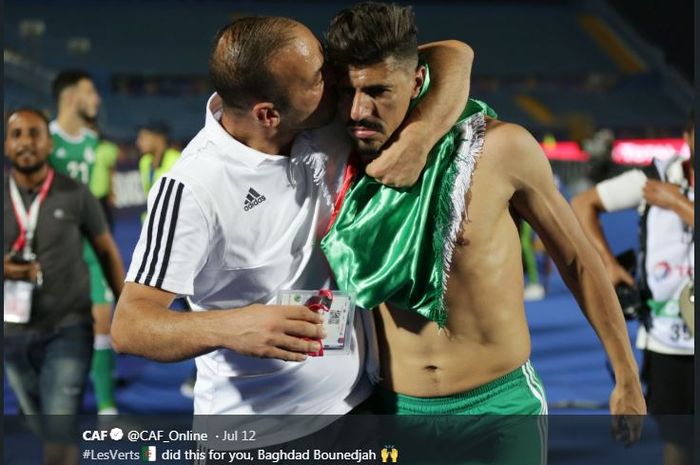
(27, 220)
(351, 169)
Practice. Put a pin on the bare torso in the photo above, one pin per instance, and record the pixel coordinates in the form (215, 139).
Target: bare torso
(487, 334)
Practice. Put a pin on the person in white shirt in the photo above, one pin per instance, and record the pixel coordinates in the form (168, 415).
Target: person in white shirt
(664, 195)
(239, 218)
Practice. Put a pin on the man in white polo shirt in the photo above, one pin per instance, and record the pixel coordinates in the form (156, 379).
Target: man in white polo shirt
(239, 217)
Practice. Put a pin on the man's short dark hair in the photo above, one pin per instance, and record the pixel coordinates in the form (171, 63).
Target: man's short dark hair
(239, 62)
(371, 32)
(157, 127)
(67, 78)
(33, 110)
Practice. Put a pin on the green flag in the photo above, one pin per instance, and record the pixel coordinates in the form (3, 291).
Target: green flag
(395, 245)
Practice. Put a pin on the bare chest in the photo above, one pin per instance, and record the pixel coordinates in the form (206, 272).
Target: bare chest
(486, 207)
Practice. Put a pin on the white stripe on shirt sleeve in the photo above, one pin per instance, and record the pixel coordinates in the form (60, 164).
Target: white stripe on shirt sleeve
(173, 244)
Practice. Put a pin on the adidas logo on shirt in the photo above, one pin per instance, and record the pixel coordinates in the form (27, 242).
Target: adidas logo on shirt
(252, 199)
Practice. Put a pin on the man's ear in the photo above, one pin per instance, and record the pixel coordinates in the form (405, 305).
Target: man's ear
(419, 80)
(266, 114)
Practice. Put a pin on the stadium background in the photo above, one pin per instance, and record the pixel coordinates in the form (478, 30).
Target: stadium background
(603, 85)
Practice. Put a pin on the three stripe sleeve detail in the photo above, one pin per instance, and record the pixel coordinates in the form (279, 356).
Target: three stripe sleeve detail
(162, 221)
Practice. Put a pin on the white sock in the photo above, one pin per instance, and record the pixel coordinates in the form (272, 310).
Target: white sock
(102, 342)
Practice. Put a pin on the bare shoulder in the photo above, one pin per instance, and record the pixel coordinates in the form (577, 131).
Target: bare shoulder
(508, 138)
(515, 151)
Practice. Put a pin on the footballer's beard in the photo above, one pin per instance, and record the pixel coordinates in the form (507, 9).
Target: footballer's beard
(366, 152)
(367, 149)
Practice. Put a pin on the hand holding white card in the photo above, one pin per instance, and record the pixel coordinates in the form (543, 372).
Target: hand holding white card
(337, 318)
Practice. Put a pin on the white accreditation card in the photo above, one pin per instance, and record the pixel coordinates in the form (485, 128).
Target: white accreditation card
(338, 317)
(17, 305)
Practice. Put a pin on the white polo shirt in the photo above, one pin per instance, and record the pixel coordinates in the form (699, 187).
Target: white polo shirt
(229, 226)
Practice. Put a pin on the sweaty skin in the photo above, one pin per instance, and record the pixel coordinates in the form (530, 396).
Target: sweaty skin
(487, 334)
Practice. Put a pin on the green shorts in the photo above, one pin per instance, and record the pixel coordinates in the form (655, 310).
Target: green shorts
(99, 291)
(519, 392)
(502, 422)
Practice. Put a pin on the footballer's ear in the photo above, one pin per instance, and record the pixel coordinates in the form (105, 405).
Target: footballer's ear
(419, 79)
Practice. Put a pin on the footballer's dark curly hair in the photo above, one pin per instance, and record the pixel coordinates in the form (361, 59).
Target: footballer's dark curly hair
(370, 32)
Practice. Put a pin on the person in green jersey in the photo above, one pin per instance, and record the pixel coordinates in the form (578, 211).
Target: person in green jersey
(75, 154)
(441, 260)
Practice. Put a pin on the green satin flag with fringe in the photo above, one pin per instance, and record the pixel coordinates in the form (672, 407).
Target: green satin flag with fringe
(395, 245)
